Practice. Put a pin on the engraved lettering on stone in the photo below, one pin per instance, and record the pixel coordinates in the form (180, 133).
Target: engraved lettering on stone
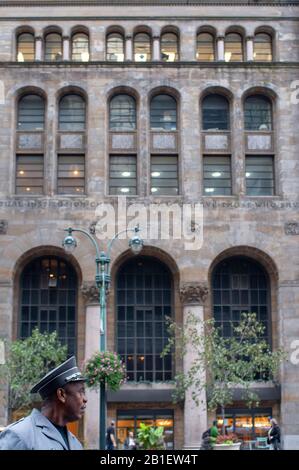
(70, 141)
(164, 141)
(30, 141)
(120, 141)
(216, 142)
(291, 228)
(259, 142)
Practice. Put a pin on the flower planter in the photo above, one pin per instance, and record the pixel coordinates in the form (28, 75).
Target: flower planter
(234, 446)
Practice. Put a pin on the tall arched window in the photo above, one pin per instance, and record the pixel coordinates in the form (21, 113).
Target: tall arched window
(262, 47)
(258, 113)
(115, 47)
(72, 113)
(205, 47)
(80, 47)
(48, 297)
(215, 113)
(163, 113)
(240, 285)
(143, 303)
(122, 113)
(142, 47)
(25, 47)
(169, 47)
(233, 48)
(31, 113)
(53, 47)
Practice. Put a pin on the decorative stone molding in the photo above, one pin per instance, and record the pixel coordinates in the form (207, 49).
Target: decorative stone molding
(90, 293)
(193, 293)
(92, 227)
(291, 228)
(3, 227)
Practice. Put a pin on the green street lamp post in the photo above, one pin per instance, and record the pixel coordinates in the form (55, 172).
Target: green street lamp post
(102, 279)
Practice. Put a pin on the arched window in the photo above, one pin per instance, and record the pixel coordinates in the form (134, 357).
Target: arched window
(215, 113)
(115, 47)
(25, 49)
(240, 285)
(258, 113)
(80, 47)
(262, 47)
(233, 48)
(72, 113)
(169, 47)
(53, 47)
(143, 303)
(163, 113)
(122, 113)
(48, 297)
(205, 47)
(142, 47)
(31, 113)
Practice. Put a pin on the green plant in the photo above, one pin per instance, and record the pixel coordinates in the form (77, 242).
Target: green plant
(27, 361)
(105, 367)
(221, 364)
(150, 437)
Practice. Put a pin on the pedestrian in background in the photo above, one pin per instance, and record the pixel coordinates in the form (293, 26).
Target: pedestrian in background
(274, 435)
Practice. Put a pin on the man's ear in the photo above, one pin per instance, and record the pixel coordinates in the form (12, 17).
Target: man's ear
(61, 395)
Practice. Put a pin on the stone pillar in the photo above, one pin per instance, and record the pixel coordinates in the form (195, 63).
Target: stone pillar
(129, 47)
(193, 296)
(66, 48)
(6, 315)
(92, 345)
(156, 48)
(220, 48)
(38, 48)
(249, 49)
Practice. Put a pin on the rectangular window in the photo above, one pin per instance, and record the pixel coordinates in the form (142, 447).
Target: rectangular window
(164, 175)
(29, 174)
(259, 175)
(122, 175)
(71, 174)
(217, 175)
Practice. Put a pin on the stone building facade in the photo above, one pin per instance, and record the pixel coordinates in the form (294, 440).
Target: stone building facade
(230, 76)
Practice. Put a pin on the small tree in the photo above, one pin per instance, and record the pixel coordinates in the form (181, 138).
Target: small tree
(27, 361)
(225, 363)
(150, 437)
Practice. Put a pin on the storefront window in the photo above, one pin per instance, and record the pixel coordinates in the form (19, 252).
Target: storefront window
(247, 424)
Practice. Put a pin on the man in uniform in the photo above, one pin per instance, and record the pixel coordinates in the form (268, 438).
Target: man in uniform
(64, 401)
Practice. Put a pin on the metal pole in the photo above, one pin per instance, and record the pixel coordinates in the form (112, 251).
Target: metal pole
(102, 297)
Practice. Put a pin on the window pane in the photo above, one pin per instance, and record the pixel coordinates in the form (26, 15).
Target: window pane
(72, 113)
(169, 47)
(258, 113)
(217, 176)
(31, 112)
(163, 113)
(142, 47)
(215, 109)
(25, 52)
(80, 47)
(122, 113)
(259, 176)
(164, 175)
(233, 48)
(29, 174)
(262, 47)
(71, 174)
(115, 47)
(205, 50)
(122, 177)
(53, 47)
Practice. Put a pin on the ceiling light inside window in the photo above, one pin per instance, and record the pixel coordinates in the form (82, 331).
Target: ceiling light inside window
(154, 190)
(216, 174)
(125, 190)
(126, 173)
(156, 174)
(209, 190)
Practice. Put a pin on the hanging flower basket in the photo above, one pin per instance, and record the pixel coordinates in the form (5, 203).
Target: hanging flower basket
(105, 367)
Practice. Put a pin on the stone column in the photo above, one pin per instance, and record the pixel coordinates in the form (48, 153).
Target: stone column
(66, 48)
(38, 48)
(193, 296)
(220, 48)
(6, 315)
(92, 345)
(249, 49)
(156, 48)
(129, 47)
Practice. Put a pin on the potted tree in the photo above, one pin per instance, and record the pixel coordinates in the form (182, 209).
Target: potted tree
(150, 437)
(222, 364)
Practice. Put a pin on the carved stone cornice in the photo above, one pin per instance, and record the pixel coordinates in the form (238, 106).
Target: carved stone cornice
(194, 293)
(90, 293)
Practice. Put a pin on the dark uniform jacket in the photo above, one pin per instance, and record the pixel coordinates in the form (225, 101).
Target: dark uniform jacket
(35, 432)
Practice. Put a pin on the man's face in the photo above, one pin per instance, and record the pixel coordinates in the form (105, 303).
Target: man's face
(75, 401)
